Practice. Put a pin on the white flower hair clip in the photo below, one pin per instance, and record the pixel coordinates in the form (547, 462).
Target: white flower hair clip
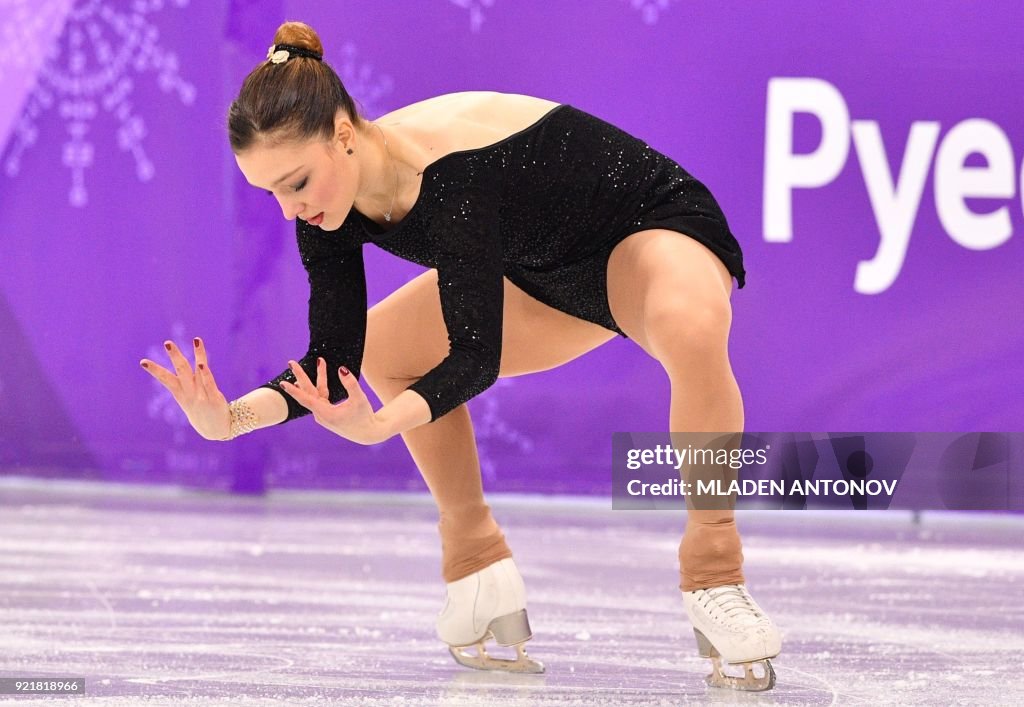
(277, 56)
(280, 53)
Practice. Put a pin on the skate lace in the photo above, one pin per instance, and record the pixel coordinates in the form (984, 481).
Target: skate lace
(735, 603)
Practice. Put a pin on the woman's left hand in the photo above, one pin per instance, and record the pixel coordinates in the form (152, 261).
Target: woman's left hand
(352, 418)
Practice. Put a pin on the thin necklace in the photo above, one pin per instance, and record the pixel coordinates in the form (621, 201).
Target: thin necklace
(387, 214)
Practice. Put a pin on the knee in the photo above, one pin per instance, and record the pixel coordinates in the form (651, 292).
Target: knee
(680, 328)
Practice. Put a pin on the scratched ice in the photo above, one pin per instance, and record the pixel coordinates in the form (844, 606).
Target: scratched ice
(302, 599)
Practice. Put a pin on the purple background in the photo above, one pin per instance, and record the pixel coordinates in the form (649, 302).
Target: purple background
(125, 222)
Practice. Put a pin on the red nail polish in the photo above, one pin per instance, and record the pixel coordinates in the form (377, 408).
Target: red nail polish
(344, 371)
(145, 365)
(201, 367)
(167, 346)
(195, 341)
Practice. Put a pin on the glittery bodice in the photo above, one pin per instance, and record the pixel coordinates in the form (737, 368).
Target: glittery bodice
(529, 206)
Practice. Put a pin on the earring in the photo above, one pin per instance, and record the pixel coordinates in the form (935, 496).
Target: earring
(349, 151)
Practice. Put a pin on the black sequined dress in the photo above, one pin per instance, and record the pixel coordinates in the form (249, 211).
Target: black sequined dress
(543, 207)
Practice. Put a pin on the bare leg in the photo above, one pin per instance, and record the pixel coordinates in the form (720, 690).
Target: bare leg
(681, 317)
(406, 337)
(710, 554)
(445, 453)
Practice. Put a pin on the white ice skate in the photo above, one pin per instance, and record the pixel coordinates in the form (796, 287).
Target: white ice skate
(730, 626)
(490, 603)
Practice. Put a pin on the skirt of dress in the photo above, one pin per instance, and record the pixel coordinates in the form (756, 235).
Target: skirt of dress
(581, 288)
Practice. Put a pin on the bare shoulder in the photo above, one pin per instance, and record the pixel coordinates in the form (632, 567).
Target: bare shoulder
(465, 121)
(477, 106)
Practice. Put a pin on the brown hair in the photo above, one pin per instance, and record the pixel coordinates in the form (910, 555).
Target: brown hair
(293, 100)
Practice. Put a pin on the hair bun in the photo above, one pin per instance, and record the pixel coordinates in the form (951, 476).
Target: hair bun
(299, 34)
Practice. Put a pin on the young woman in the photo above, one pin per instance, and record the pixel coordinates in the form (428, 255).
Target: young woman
(547, 231)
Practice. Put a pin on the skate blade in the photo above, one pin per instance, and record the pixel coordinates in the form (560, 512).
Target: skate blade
(749, 681)
(522, 663)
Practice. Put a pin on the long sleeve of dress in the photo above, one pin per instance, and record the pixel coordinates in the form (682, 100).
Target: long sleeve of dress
(337, 312)
(465, 237)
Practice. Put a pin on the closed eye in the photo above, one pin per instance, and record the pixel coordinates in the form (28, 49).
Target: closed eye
(298, 187)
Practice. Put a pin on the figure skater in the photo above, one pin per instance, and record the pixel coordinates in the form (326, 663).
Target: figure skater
(546, 231)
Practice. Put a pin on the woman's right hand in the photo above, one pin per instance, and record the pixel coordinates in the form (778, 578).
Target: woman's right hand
(196, 392)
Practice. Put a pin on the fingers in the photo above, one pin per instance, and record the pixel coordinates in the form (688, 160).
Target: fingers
(183, 383)
(303, 389)
(301, 379)
(182, 368)
(206, 384)
(321, 379)
(165, 377)
(317, 397)
(200, 351)
(351, 383)
(297, 393)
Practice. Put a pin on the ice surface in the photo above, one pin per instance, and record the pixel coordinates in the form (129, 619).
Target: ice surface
(299, 599)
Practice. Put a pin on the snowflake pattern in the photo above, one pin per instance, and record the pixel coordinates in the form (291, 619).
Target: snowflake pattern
(650, 10)
(492, 430)
(28, 27)
(360, 81)
(476, 11)
(89, 70)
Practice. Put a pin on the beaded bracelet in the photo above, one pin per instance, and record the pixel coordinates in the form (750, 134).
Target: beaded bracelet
(243, 419)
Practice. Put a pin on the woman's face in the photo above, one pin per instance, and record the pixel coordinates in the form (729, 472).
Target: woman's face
(311, 180)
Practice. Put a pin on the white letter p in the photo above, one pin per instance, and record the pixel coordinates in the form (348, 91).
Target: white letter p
(784, 170)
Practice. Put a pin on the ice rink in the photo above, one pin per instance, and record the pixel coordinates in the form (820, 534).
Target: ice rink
(159, 597)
